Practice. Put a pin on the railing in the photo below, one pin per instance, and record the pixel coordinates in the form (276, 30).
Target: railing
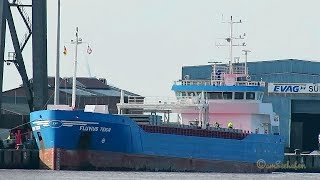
(218, 83)
(251, 83)
(236, 69)
(193, 82)
(135, 100)
(239, 70)
(151, 100)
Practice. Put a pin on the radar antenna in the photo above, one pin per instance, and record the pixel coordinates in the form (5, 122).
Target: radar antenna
(230, 40)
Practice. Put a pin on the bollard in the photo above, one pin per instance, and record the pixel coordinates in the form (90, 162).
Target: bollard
(297, 151)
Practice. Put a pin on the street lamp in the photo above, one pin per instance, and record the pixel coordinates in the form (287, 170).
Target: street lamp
(57, 75)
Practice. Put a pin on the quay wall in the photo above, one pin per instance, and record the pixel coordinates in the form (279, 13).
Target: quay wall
(300, 163)
(29, 159)
(19, 159)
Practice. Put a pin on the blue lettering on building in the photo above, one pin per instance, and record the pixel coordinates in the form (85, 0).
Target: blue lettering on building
(286, 88)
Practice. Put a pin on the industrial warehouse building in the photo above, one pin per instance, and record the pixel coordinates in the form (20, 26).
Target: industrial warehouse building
(294, 92)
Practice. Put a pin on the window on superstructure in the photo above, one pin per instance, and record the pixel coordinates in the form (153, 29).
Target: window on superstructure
(238, 95)
(260, 96)
(191, 94)
(250, 95)
(214, 95)
(227, 95)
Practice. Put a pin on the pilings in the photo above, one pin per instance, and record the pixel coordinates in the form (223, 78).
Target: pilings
(19, 159)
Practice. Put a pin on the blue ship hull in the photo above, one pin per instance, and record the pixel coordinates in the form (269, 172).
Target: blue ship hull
(77, 139)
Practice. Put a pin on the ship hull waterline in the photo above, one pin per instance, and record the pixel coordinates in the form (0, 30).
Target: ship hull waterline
(60, 159)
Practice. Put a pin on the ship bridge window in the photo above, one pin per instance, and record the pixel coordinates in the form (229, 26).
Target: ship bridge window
(250, 95)
(191, 94)
(214, 95)
(227, 95)
(238, 95)
(178, 94)
(260, 96)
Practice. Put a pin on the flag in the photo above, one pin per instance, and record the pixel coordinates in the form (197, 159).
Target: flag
(64, 50)
(89, 50)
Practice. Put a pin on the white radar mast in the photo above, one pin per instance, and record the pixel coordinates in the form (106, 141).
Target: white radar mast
(230, 40)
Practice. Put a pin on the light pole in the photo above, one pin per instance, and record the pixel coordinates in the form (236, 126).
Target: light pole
(245, 63)
(57, 76)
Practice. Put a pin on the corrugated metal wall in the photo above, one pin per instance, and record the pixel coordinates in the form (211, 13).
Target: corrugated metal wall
(285, 71)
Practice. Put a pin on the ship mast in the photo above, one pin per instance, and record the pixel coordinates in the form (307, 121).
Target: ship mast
(230, 41)
(77, 41)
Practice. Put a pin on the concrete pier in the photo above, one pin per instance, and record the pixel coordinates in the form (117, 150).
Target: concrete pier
(19, 159)
(300, 163)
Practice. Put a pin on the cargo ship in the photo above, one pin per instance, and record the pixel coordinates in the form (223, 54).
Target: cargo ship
(221, 125)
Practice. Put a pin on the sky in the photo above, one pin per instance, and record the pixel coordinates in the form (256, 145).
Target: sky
(141, 45)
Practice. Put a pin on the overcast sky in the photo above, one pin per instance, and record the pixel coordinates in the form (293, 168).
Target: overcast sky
(141, 45)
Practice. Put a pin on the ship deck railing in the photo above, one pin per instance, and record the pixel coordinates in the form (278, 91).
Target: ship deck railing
(151, 100)
(237, 68)
(220, 129)
(157, 104)
(217, 83)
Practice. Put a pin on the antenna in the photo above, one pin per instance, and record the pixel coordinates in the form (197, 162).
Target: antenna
(230, 40)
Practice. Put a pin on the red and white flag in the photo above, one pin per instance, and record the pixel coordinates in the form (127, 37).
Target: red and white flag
(64, 50)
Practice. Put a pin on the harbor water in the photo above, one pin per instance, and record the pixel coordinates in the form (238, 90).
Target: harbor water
(121, 175)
